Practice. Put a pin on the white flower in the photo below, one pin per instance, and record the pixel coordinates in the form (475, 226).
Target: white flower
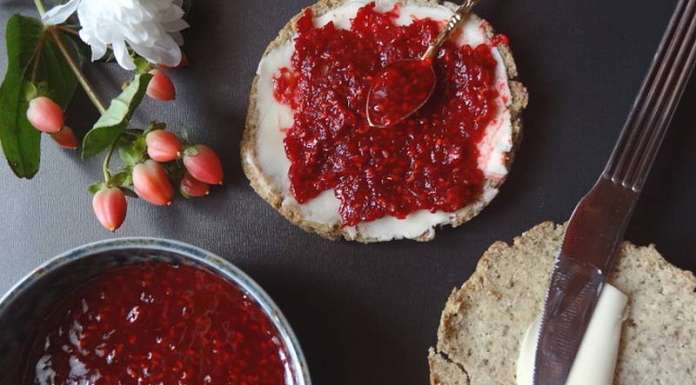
(150, 27)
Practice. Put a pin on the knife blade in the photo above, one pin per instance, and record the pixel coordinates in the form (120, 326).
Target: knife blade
(598, 224)
(592, 238)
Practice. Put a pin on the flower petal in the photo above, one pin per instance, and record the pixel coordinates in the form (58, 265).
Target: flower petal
(148, 27)
(60, 13)
(98, 48)
(122, 56)
(178, 38)
(98, 51)
(167, 52)
(171, 14)
(175, 26)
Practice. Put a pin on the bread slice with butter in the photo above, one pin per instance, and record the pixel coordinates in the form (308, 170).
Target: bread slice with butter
(484, 321)
(266, 165)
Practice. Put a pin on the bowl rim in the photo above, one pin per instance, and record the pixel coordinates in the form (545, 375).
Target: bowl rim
(201, 257)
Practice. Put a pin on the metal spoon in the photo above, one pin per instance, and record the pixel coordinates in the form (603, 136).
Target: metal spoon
(404, 86)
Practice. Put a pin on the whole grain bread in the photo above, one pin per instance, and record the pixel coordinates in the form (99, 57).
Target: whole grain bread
(484, 321)
(262, 185)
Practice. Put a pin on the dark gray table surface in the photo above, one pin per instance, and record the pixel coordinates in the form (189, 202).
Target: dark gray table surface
(367, 314)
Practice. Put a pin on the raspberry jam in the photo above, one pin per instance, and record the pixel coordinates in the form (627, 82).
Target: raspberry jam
(399, 90)
(155, 323)
(428, 161)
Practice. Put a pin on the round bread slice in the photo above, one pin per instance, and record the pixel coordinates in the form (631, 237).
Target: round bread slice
(265, 164)
(484, 321)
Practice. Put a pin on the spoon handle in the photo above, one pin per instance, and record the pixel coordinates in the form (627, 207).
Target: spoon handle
(460, 14)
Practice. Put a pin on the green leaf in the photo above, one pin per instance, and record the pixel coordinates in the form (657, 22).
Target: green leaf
(20, 141)
(30, 91)
(132, 151)
(115, 120)
(95, 187)
(50, 76)
(141, 65)
(122, 178)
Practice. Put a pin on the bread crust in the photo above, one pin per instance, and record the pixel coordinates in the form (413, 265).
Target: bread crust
(484, 321)
(259, 182)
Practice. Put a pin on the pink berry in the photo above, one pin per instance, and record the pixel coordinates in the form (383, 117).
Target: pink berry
(161, 87)
(110, 207)
(203, 164)
(66, 138)
(151, 183)
(162, 146)
(45, 115)
(193, 188)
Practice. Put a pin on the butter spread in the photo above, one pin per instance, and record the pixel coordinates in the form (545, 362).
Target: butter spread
(596, 360)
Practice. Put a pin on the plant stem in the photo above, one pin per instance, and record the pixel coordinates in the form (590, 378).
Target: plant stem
(40, 7)
(107, 160)
(78, 74)
(68, 30)
(89, 90)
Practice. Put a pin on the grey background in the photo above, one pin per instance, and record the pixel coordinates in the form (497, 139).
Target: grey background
(367, 314)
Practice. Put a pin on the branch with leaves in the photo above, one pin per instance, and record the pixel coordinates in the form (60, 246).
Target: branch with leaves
(45, 58)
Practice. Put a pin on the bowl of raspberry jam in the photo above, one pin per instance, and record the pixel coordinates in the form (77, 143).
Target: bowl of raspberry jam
(148, 312)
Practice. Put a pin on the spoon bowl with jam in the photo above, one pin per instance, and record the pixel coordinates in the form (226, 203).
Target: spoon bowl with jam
(403, 87)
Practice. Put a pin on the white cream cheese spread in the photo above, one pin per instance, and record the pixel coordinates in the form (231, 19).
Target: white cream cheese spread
(275, 117)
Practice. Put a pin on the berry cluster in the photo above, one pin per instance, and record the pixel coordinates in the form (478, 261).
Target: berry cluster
(154, 160)
(154, 176)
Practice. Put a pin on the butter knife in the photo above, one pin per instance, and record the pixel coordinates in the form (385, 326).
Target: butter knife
(597, 226)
